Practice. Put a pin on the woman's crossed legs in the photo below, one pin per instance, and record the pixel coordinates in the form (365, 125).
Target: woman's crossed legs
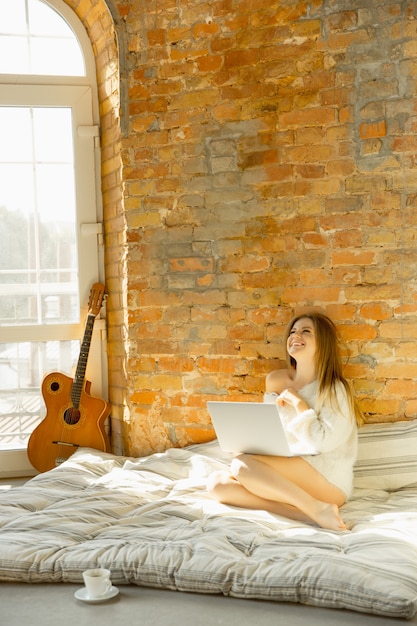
(284, 486)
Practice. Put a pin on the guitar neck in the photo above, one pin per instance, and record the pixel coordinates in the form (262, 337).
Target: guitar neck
(79, 377)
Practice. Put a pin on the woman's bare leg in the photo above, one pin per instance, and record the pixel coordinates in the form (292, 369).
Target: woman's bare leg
(279, 482)
(223, 487)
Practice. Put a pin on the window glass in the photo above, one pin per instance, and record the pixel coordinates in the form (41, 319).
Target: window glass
(38, 258)
(22, 367)
(34, 39)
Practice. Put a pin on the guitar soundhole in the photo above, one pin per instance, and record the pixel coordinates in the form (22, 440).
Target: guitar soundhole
(72, 416)
(54, 386)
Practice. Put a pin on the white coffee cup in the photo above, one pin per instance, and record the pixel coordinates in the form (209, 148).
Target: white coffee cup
(97, 582)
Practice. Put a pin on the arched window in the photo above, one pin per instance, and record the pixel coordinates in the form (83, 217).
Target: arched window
(50, 210)
(34, 39)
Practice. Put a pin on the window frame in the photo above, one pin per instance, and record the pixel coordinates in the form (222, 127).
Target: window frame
(79, 93)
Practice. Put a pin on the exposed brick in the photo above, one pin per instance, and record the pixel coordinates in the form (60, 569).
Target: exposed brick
(347, 239)
(353, 257)
(314, 240)
(205, 29)
(310, 295)
(191, 264)
(241, 57)
(365, 184)
(371, 130)
(376, 311)
(381, 409)
(309, 117)
(342, 21)
(397, 370)
(210, 63)
(264, 160)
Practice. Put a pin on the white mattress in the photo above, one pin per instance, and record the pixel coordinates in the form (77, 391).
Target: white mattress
(151, 523)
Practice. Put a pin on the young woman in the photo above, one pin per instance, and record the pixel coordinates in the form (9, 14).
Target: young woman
(318, 408)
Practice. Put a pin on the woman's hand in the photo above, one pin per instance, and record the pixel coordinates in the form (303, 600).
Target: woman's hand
(289, 397)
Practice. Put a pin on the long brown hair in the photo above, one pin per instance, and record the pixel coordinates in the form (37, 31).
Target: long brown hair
(328, 359)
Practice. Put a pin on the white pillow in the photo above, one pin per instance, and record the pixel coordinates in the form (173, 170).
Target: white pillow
(387, 456)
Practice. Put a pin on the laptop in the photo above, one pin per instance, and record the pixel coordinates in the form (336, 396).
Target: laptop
(252, 428)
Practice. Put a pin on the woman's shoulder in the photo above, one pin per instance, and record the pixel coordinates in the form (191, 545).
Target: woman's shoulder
(278, 380)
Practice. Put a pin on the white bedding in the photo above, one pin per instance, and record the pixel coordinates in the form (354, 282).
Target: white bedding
(151, 523)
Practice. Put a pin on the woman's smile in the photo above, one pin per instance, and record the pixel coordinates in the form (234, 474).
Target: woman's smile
(301, 336)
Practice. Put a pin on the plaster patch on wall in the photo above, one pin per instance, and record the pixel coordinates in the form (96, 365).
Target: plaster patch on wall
(148, 434)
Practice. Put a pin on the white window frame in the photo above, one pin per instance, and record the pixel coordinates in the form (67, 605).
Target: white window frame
(79, 93)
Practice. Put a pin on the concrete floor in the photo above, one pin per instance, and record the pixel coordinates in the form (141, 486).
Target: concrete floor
(52, 604)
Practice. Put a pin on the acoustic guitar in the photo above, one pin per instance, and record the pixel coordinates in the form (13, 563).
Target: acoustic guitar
(73, 418)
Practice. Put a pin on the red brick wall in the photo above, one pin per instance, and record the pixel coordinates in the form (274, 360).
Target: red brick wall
(268, 163)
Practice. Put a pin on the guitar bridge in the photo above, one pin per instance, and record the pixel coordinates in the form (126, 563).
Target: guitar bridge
(61, 459)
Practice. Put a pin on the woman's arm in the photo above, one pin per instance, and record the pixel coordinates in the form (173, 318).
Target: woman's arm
(328, 427)
(290, 397)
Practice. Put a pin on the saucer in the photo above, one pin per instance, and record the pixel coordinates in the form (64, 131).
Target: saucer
(81, 594)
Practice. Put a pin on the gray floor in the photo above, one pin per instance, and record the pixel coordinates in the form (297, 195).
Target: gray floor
(52, 604)
(24, 604)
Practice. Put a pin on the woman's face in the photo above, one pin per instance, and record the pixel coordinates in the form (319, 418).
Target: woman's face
(301, 341)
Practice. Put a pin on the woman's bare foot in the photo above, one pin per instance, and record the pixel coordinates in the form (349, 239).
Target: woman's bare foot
(328, 517)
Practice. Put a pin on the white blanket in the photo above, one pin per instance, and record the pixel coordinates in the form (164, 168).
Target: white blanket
(151, 522)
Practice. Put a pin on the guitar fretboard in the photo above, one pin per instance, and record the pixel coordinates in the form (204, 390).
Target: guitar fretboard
(77, 385)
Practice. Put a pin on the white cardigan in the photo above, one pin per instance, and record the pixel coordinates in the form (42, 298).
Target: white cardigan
(331, 430)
